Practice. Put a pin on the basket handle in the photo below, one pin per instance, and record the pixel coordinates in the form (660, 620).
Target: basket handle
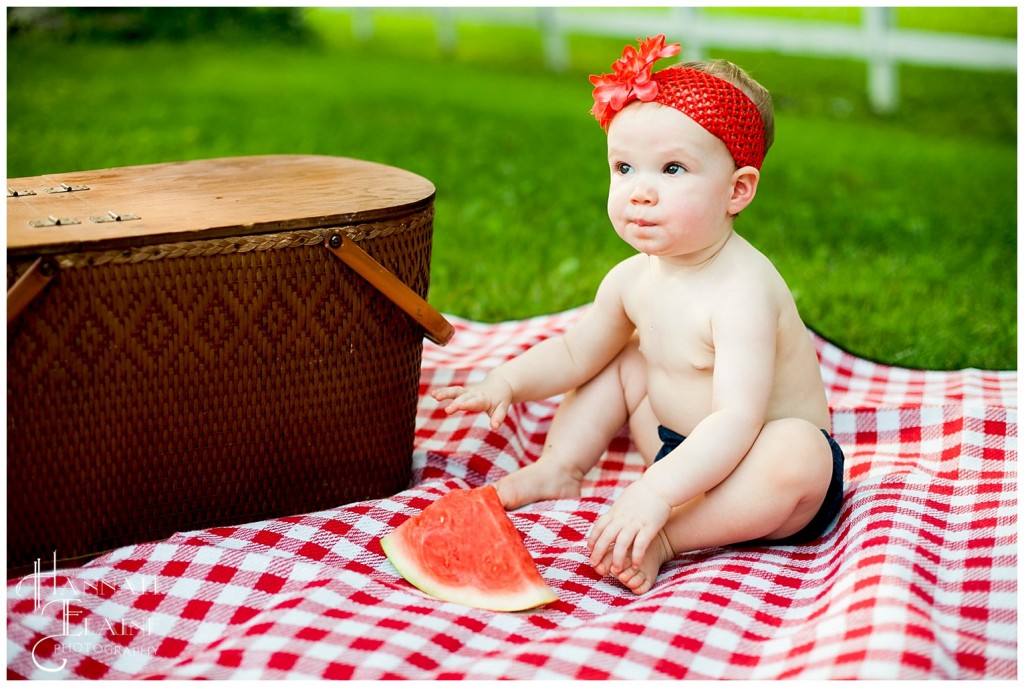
(28, 286)
(438, 329)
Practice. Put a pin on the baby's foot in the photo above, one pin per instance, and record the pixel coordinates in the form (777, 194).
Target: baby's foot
(640, 579)
(537, 482)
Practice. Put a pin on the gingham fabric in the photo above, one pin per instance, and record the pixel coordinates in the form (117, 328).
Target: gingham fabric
(916, 580)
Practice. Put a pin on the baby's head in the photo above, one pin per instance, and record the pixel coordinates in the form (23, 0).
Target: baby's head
(718, 95)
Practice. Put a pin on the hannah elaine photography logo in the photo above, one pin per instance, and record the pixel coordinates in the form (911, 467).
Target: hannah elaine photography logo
(59, 596)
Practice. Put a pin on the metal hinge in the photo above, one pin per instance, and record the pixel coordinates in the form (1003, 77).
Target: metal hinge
(65, 188)
(11, 193)
(112, 216)
(52, 221)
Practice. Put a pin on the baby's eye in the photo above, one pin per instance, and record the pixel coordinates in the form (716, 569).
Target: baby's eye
(674, 168)
(622, 168)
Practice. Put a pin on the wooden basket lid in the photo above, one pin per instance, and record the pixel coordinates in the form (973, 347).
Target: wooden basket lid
(202, 199)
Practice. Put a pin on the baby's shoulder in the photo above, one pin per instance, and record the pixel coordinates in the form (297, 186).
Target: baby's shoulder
(619, 284)
(751, 264)
(627, 271)
(751, 276)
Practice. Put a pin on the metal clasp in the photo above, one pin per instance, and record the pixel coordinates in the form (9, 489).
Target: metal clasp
(52, 221)
(112, 216)
(66, 188)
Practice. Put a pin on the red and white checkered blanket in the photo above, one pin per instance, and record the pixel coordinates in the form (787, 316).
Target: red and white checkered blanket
(917, 580)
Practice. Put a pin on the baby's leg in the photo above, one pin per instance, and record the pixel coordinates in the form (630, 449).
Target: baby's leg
(773, 493)
(586, 421)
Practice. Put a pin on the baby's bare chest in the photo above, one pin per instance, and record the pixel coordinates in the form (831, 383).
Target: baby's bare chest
(675, 335)
(680, 358)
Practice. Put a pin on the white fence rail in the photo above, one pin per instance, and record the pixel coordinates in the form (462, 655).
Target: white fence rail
(876, 40)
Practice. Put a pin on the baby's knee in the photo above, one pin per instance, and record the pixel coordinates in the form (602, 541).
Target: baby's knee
(793, 454)
(629, 359)
(632, 372)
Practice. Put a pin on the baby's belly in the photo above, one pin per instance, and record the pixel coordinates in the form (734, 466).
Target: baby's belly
(680, 401)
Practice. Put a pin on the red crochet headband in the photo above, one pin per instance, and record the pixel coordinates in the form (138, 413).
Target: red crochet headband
(722, 109)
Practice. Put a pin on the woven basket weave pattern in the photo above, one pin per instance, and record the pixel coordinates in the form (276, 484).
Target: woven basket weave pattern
(156, 395)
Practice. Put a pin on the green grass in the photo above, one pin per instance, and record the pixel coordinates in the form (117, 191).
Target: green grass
(897, 235)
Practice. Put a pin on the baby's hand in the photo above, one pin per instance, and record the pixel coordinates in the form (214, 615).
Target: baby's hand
(628, 529)
(492, 396)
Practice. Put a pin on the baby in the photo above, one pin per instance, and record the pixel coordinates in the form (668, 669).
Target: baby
(695, 341)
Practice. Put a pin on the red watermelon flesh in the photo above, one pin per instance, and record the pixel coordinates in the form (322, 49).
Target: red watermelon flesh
(464, 548)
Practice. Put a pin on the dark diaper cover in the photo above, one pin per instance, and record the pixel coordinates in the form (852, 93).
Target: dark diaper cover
(821, 521)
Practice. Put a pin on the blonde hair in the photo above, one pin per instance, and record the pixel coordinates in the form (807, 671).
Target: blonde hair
(758, 94)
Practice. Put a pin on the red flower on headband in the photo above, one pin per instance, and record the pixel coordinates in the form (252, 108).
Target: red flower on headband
(631, 78)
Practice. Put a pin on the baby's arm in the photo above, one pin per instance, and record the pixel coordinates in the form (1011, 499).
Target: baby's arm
(555, 365)
(745, 343)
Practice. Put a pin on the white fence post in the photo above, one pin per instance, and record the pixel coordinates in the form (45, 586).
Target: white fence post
(556, 49)
(447, 34)
(883, 74)
(687, 22)
(362, 24)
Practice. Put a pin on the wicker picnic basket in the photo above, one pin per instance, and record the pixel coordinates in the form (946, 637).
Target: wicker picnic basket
(185, 348)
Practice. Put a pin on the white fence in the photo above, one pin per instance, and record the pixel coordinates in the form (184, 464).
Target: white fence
(876, 41)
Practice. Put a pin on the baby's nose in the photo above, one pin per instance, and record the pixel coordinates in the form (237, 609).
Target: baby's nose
(642, 195)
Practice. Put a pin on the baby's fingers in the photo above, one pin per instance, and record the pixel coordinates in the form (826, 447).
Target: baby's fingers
(602, 538)
(641, 543)
(595, 533)
(447, 393)
(498, 415)
(621, 559)
(470, 400)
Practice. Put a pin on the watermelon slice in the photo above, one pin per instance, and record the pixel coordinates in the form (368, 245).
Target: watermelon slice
(463, 548)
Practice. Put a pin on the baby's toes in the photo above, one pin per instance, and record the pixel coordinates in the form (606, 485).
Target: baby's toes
(604, 566)
(634, 579)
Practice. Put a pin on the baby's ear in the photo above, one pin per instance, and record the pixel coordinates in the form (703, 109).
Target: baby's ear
(744, 188)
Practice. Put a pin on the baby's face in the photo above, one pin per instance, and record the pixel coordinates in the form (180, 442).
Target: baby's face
(671, 181)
